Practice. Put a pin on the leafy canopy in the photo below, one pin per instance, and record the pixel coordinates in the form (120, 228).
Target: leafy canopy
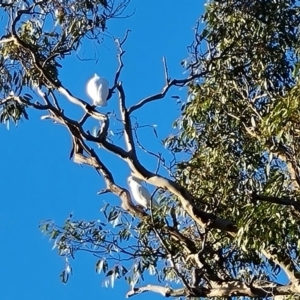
(228, 221)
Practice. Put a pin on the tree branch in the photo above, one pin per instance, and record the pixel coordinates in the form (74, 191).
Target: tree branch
(277, 200)
(285, 263)
(226, 289)
(162, 94)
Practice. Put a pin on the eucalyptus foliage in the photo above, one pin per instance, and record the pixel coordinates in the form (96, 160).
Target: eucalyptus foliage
(228, 221)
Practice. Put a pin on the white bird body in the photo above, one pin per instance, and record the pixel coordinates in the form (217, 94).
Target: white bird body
(140, 194)
(97, 88)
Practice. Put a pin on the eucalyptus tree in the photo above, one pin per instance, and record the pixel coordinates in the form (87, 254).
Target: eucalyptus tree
(227, 223)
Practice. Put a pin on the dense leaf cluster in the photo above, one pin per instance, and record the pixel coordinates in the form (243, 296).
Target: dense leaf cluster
(241, 125)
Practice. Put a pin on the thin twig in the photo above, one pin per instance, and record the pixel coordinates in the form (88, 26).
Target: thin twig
(167, 78)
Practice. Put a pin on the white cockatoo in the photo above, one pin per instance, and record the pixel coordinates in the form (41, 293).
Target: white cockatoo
(140, 194)
(97, 88)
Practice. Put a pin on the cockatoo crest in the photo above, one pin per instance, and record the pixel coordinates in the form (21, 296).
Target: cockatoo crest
(98, 89)
(140, 194)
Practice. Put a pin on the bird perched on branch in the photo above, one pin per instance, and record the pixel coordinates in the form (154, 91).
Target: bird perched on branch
(140, 194)
(97, 88)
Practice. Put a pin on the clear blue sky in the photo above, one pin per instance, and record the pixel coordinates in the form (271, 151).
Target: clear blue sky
(39, 182)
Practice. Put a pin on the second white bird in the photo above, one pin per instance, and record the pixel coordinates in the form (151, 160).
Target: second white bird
(97, 88)
(140, 194)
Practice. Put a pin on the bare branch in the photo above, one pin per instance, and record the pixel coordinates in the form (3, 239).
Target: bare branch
(166, 292)
(126, 123)
(56, 104)
(162, 94)
(285, 263)
(228, 289)
(158, 156)
(167, 78)
(277, 200)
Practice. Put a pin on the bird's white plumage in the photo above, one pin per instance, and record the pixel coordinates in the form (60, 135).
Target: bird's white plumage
(97, 88)
(140, 194)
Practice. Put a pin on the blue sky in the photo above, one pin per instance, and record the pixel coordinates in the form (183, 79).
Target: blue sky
(39, 182)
